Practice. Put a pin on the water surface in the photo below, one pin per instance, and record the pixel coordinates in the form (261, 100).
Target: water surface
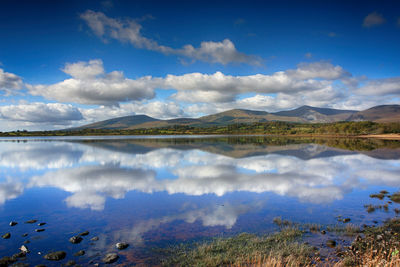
(154, 192)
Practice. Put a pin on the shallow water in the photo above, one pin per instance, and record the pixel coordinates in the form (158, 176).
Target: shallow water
(154, 192)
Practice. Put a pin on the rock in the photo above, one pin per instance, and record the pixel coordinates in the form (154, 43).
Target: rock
(13, 223)
(27, 242)
(80, 253)
(40, 265)
(39, 230)
(20, 254)
(41, 224)
(5, 261)
(55, 256)
(75, 239)
(121, 245)
(94, 238)
(24, 235)
(346, 220)
(379, 237)
(6, 236)
(70, 263)
(24, 248)
(84, 233)
(323, 232)
(20, 264)
(31, 221)
(110, 258)
(331, 243)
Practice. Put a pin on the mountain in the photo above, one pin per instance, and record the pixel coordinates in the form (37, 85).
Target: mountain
(119, 123)
(383, 113)
(304, 114)
(313, 114)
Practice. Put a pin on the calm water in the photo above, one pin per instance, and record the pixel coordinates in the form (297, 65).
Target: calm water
(154, 192)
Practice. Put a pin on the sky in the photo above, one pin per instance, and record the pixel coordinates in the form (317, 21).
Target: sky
(69, 63)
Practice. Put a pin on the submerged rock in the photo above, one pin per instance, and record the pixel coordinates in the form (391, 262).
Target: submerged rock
(39, 230)
(6, 236)
(331, 243)
(20, 264)
(110, 258)
(20, 254)
(40, 265)
(70, 263)
(346, 220)
(80, 253)
(84, 233)
(55, 256)
(24, 235)
(41, 224)
(75, 239)
(121, 245)
(94, 238)
(5, 261)
(13, 223)
(31, 221)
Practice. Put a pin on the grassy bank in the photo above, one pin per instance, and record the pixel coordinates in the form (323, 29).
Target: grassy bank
(272, 128)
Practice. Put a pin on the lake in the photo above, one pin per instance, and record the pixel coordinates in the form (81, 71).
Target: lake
(155, 192)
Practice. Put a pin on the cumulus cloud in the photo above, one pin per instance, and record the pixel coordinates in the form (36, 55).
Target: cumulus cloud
(156, 109)
(91, 85)
(388, 86)
(129, 31)
(373, 19)
(321, 69)
(9, 81)
(56, 113)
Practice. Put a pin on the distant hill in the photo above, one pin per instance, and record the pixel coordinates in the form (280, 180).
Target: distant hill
(119, 123)
(304, 114)
(384, 113)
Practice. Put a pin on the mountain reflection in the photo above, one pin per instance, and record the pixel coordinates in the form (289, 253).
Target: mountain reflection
(92, 171)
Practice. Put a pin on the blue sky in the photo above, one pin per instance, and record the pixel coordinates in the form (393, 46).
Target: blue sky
(66, 63)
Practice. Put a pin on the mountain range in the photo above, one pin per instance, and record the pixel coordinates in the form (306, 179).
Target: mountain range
(304, 114)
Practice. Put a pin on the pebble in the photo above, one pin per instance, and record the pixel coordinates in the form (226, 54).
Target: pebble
(110, 258)
(80, 253)
(121, 245)
(94, 238)
(31, 221)
(55, 256)
(13, 223)
(6, 236)
(75, 239)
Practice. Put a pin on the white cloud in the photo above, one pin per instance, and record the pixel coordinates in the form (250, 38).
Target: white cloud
(129, 30)
(91, 85)
(155, 109)
(9, 81)
(55, 113)
(379, 87)
(373, 19)
(321, 69)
